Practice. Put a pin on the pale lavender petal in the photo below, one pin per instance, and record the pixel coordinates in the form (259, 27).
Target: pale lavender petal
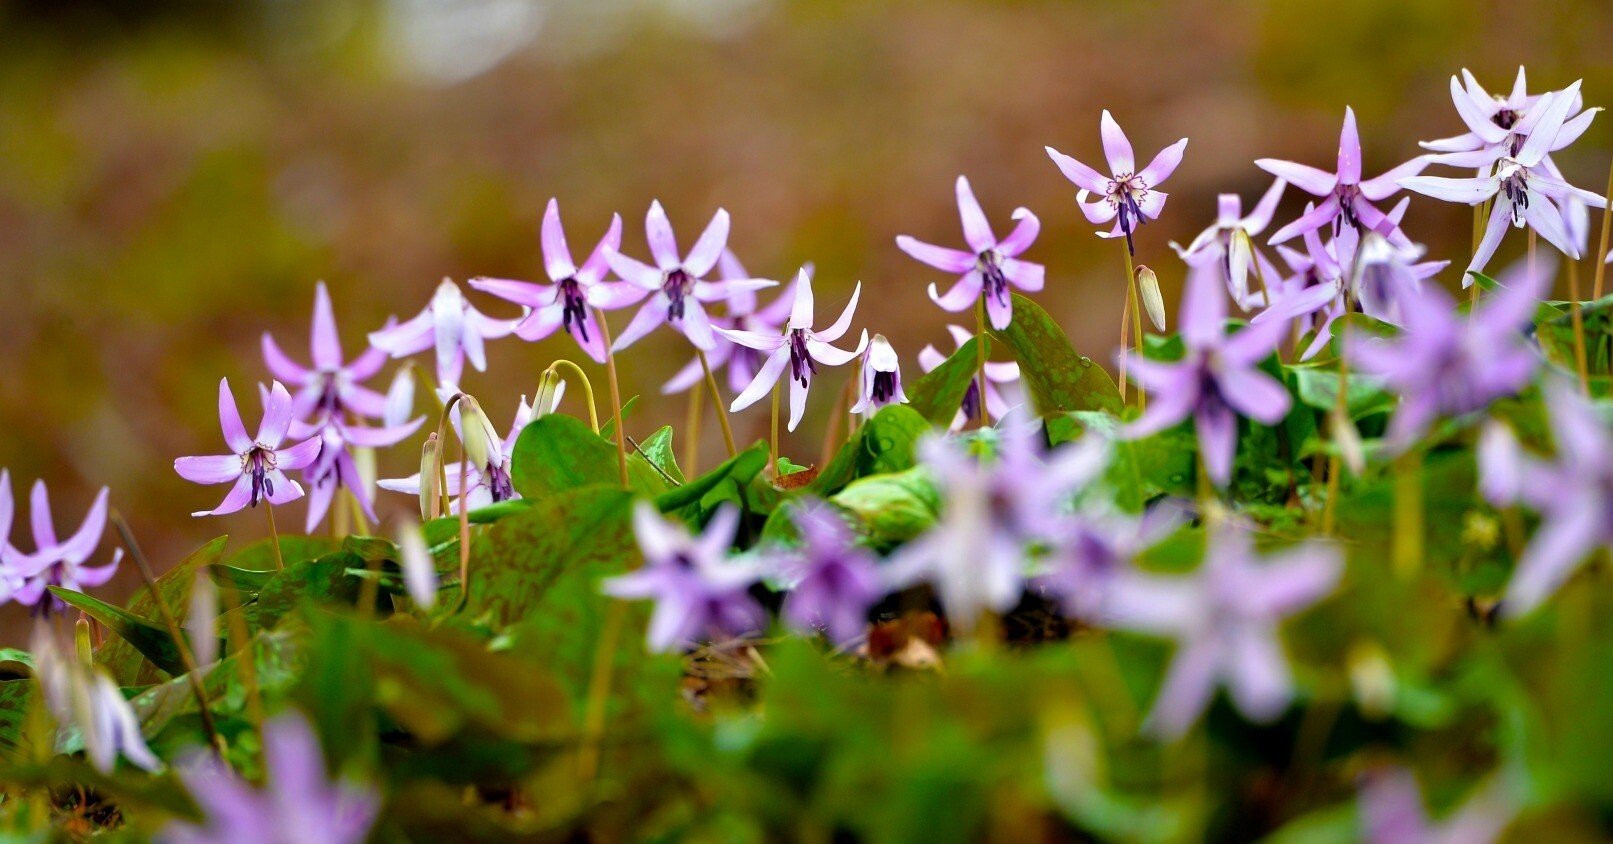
(229, 418)
(1349, 168)
(1466, 191)
(239, 496)
(1188, 685)
(1556, 551)
(950, 260)
(843, 322)
(1311, 220)
(325, 343)
(556, 254)
(798, 397)
(1083, 176)
(976, 230)
(1257, 675)
(1116, 148)
(1217, 428)
(648, 318)
(1500, 219)
(1254, 394)
(218, 469)
(1164, 164)
(658, 230)
(1023, 235)
(709, 247)
(962, 295)
(1302, 176)
(299, 456)
(83, 542)
(281, 365)
(765, 378)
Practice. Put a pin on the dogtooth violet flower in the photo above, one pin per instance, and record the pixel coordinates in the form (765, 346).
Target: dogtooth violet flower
(1129, 196)
(451, 325)
(881, 378)
(1224, 618)
(1525, 190)
(799, 346)
(332, 387)
(741, 313)
(676, 286)
(990, 265)
(563, 303)
(1217, 380)
(1445, 363)
(14, 565)
(336, 466)
(1093, 547)
(257, 465)
(54, 562)
(1345, 195)
(699, 595)
(1313, 293)
(998, 373)
(419, 569)
(1391, 811)
(83, 696)
(832, 582)
(1572, 491)
(298, 802)
(1503, 124)
(1226, 249)
(488, 480)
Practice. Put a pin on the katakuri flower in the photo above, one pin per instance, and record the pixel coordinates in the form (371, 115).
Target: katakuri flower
(740, 362)
(1226, 250)
(258, 465)
(699, 595)
(1391, 812)
(1313, 294)
(419, 569)
(1503, 124)
(990, 265)
(799, 346)
(832, 582)
(564, 302)
(1572, 491)
(1217, 380)
(1525, 189)
(1091, 549)
(1345, 195)
(298, 803)
(1003, 373)
(881, 378)
(55, 562)
(332, 388)
(675, 286)
(452, 326)
(82, 696)
(1445, 363)
(14, 565)
(1129, 196)
(488, 480)
(336, 467)
(1224, 618)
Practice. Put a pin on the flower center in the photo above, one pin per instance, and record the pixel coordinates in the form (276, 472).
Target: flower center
(1126, 191)
(1516, 189)
(990, 264)
(802, 367)
(259, 462)
(574, 306)
(884, 386)
(676, 286)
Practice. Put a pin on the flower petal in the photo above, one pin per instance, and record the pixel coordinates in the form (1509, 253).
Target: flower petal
(709, 247)
(658, 230)
(976, 230)
(1116, 148)
(940, 257)
(211, 469)
(556, 254)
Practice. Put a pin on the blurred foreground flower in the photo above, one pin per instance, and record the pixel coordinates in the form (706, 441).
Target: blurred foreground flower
(1391, 810)
(80, 695)
(832, 581)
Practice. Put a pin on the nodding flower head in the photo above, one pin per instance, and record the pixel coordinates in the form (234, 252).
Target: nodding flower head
(881, 377)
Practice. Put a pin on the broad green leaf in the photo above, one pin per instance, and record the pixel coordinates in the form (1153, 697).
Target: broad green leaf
(607, 431)
(892, 508)
(175, 584)
(938, 395)
(323, 580)
(1059, 380)
(657, 448)
(739, 469)
(1556, 336)
(147, 637)
(557, 453)
(1319, 388)
(888, 442)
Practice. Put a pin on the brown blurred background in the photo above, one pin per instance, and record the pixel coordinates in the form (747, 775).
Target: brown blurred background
(175, 176)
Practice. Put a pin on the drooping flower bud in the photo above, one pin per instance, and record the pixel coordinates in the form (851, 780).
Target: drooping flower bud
(881, 377)
(202, 622)
(550, 388)
(1153, 303)
(419, 570)
(431, 478)
(482, 444)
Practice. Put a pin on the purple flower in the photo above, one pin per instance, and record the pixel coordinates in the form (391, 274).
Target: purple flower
(1391, 811)
(741, 362)
(799, 346)
(1129, 196)
(1522, 183)
(992, 511)
(1224, 618)
(832, 582)
(55, 562)
(1388, 274)
(488, 482)
(564, 303)
(1573, 492)
(699, 595)
(1444, 363)
(258, 465)
(1504, 124)
(881, 378)
(14, 565)
(989, 267)
(1313, 294)
(1226, 249)
(997, 372)
(332, 387)
(452, 326)
(82, 696)
(675, 285)
(1344, 194)
(335, 468)
(298, 802)
(1090, 551)
(1216, 381)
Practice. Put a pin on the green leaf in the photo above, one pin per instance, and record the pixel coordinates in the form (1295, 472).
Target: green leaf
(607, 431)
(1059, 380)
(522, 556)
(1319, 388)
(127, 664)
(557, 453)
(938, 395)
(323, 580)
(151, 640)
(657, 448)
(740, 469)
(886, 443)
(1556, 337)
(892, 508)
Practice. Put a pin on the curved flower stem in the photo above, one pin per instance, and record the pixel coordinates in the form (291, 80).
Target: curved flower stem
(1601, 252)
(1135, 301)
(464, 525)
(716, 399)
(274, 537)
(615, 396)
(1577, 315)
(587, 389)
(691, 449)
(181, 644)
(980, 359)
(1125, 331)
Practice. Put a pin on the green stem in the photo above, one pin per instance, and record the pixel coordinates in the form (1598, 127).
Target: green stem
(615, 396)
(980, 359)
(772, 456)
(587, 389)
(716, 399)
(1136, 318)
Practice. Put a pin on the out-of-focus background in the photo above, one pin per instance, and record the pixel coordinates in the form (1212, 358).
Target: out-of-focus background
(175, 175)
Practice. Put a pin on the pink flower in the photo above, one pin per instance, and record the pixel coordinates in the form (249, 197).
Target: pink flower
(257, 465)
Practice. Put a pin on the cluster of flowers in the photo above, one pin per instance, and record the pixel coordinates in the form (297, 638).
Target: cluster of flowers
(1017, 519)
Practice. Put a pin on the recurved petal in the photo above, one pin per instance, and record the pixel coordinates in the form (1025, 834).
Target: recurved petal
(211, 469)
